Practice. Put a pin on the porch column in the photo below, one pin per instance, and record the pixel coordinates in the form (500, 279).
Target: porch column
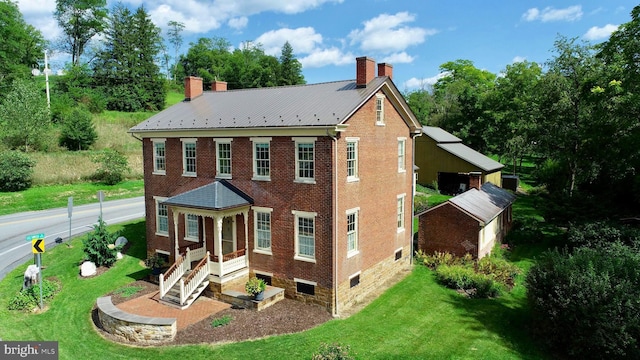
(204, 232)
(218, 240)
(176, 214)
(245, 216)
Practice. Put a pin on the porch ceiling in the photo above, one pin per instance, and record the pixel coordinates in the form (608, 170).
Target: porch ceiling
(219, 195)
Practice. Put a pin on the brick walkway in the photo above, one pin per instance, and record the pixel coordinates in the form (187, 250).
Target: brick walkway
(148, 305)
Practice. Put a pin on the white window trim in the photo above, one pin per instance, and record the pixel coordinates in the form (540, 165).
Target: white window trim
(299, 141)
(254, 142)
(356, 251)
(163, 252)
(158, 200)
(381, 122)
(186, 229)
(404, 205)
(155, 170)
(313, 283)
(256, 249)
(264, 273)
(395, 252)
(355, 140)
(218, 142)
(297, 215)
(402, 168)
(186, 141)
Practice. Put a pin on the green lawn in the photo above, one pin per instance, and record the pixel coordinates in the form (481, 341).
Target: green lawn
(416, 319)
(54, 196)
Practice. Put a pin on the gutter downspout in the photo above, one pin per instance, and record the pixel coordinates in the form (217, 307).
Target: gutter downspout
(413, 192)
(334, 242)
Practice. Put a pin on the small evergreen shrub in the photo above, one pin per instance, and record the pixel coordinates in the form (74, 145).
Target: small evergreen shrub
(112, 167)
(16, 169)
(99, 245)
(221, 321)
(78, 132)
(333, 352)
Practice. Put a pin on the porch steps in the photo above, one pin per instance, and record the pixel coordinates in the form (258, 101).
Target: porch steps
(172, 298)
(241, 299)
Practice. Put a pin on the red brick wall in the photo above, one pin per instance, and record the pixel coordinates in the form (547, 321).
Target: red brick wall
(445, 228)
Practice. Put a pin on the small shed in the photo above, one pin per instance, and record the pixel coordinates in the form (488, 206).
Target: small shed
(472, 222)
(443, 158)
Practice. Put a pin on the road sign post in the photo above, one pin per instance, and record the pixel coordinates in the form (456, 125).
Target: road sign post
(70, 211)
(101, 198)
(37, 246)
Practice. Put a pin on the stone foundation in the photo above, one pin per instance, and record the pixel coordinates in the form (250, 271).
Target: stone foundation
(134, 328)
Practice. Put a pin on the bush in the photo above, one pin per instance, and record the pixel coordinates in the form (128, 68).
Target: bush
(441, 258)
(99, 245)
(29, 298)
(601, 234)
(78, 132)
(112, 167)
(586, 304)
(221, 321)
(333, 352)
(15, 171)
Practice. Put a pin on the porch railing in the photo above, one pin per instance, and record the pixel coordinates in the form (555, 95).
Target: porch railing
(175, 272)
(194, 279)
(230, 262)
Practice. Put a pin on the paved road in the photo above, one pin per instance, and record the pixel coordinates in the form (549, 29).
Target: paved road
(54, 223)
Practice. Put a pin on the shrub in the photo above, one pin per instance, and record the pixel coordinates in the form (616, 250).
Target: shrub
(601, 234)
(585, 304)
(333, 352)
(99, 245)
(29, 298)
(112, 167)
(498, 268)
(441, 258)
(78, 132)
(221, 321)
(15, 171)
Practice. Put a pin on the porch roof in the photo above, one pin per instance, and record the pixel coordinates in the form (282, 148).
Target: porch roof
(218, 195)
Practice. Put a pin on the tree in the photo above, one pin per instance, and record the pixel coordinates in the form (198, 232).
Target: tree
(99, 245)
(290, 68)
(459, 98)
(80, 20)
(421, 103)
(21, 45)
(175, 38)
(126, 69)
(24, 116)
(78, 132)
(16, 169)
(112, 167)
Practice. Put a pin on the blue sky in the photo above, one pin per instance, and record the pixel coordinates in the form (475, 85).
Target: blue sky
(416, 36)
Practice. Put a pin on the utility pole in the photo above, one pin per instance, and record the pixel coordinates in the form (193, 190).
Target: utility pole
(46, 77)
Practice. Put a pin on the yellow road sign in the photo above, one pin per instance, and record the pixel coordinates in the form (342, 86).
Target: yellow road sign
(37, 246)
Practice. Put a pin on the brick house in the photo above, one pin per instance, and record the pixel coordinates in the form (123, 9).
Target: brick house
(308, 187)
(472, 222)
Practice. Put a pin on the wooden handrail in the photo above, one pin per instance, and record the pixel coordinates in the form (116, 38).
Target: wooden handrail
(230, 256)
(195, 270)
(173, 267)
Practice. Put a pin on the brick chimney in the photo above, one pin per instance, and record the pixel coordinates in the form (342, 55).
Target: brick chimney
(192, 87)
(475, 180)
(217, 85)
(365, 71)
(385, 69)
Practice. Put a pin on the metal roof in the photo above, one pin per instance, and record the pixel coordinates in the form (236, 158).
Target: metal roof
(218, 195)
(471, 156)
(323, 104)
(483, 204)
(440, 135)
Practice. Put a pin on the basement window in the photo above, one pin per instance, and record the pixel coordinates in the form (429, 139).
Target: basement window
(265, 278)
(354, 281)
(305, 288)
(398, 254)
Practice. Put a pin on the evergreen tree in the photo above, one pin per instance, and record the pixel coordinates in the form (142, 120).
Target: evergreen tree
(126, 69)
(78, 132)
(290, 68)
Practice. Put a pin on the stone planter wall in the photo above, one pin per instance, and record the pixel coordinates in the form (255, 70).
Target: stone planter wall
(134, 328)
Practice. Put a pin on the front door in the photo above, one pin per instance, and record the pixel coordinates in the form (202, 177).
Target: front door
(228, 235)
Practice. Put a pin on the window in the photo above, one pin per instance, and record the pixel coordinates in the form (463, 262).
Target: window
(159, 162)
(162, 217)
(305, 153)
(261, 159)
(398, 254)
(223, 158)
(401, 154)
(352, 232)
(262, 228)
(191, 227)
(379, 109)
(189, 157)
(305, 287)
(401, 212)
(352, 159)
(354, 280)
(305, 236)
(264, 277)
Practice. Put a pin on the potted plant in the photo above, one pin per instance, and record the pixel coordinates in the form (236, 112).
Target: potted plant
(255, 287)
(155, 262)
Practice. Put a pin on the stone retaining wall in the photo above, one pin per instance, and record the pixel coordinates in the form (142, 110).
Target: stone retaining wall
(134, 328)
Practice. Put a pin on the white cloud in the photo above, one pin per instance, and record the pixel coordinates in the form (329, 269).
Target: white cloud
(571, 13)
(386, 33)
(239, 22)
(422, 83)
(304, 40)
(324, 57)
(39, 14)
(246, 8)
(398, 58)
(518, 59)
(599, 33)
